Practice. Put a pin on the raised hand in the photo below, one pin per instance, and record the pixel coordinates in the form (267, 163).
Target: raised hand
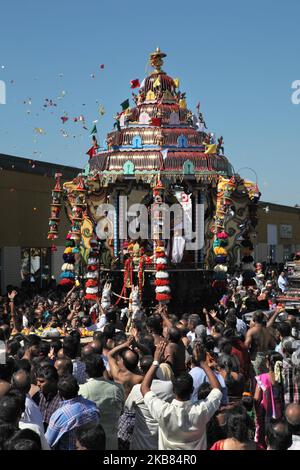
(160, 351)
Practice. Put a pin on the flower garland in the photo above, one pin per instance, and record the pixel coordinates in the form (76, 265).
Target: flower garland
(67, 276)
(162, 283)
(92, 272)
(55, 209)
(225, 189)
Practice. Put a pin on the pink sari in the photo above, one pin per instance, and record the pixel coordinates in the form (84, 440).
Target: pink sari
(271, 406)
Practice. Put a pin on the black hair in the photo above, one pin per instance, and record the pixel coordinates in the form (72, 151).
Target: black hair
(7, 369)
(259, 317)
(145, 363)
(238, 423)
(130, 359)
(31, 340)
(70, 347)
(154, 324)
(231, 320)
(20, 436)
(6, 432)
(23, 364)
(22, 444)
(273, 357)
(284, 329)
(183, 386)
(47, 372)
(109, 331)
(204, 390)
(94, 365)
(13, 346)
(56, 344)
(68, 387)
(174, 335)
(225, 346)
(91, 436)
(10, 409)
(279, 434)
(248, 403)
(75, 334)
(44, 348)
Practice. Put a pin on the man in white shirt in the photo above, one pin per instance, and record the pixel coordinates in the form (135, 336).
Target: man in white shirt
(182, 423)
(282, 282)
(145, 433)
(292, 414)
(32, 414)
(193, 322)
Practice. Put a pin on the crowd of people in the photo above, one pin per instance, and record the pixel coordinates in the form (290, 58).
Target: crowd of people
(225, 378)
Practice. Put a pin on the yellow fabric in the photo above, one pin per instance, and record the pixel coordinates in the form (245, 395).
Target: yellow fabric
(182, 105)
(220, 251)
(150, 96)
(212, 148)
(156, 83)
(68, 250)
(176, 82)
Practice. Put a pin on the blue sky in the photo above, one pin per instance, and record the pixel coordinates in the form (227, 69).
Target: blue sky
(238, 59)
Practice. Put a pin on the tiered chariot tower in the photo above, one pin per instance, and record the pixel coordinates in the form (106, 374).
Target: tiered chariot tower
(160, 152)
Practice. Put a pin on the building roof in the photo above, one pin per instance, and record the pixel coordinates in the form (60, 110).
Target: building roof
(36, 167)
(278, 207)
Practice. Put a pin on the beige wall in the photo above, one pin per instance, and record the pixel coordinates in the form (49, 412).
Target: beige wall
(277, 215)
(21, 225)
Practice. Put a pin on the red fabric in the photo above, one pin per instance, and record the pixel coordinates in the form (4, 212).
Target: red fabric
(91, 283)
(156, 122)
(92, 267)
(160, 297)
(91, 296)
(162, 282)
(92, 152)
(160, 267)
(66, 282)
(219, 445)
(135, 83)
(241, 352)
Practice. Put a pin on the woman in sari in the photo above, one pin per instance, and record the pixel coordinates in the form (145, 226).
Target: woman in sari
(268, 397)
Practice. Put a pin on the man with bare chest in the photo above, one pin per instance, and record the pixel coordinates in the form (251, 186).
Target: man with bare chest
(175, 351)
(259, 341)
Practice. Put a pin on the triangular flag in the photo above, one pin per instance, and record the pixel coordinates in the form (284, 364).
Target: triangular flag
(156, 83)
(91, 152)
(135, 83)
(164, 154)
(94, 130)
(125, 104)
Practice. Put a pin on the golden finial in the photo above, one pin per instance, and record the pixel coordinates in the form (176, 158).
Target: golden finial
(156, 60)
